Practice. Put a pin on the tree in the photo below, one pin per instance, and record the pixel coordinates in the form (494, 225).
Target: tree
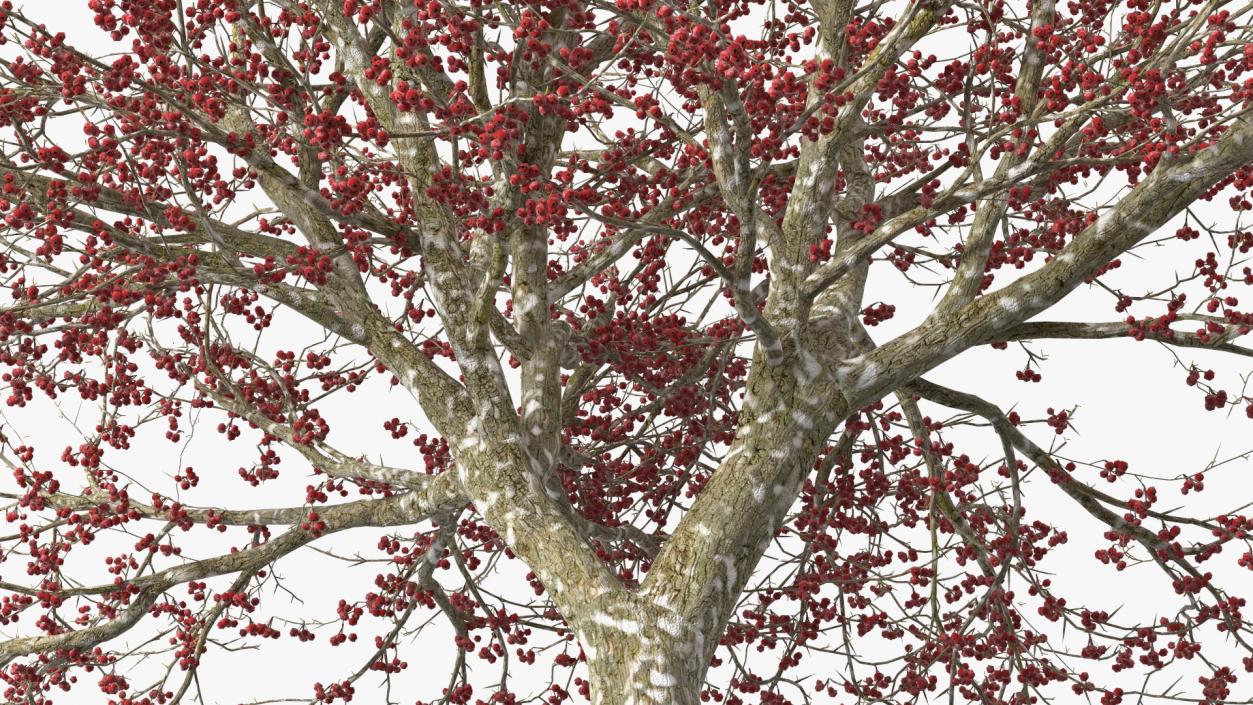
(619, 254)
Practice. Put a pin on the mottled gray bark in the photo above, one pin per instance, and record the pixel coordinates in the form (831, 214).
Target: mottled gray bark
(642, 654)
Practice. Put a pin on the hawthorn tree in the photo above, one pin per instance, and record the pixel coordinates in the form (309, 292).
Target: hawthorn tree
(612, 261)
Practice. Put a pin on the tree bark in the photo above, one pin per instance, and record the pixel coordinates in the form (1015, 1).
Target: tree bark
(642, 654)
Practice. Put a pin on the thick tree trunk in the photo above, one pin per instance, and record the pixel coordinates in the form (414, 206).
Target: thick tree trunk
(630, 680)
(640, 654)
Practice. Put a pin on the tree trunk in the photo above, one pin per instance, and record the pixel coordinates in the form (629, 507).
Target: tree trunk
(641, 654)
